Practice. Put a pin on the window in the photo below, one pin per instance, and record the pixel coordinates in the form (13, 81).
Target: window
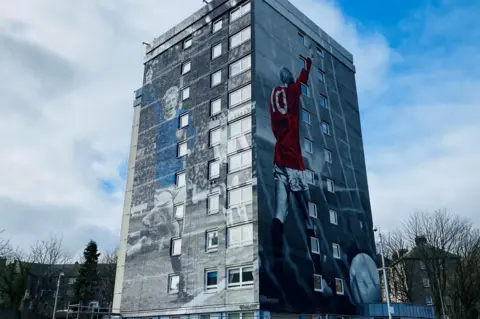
(310, 176)
(301, 37)
(187, 43)
(213, 169)
(312, 209)
(216, 51)
(186, 67)
(216, 78)
(240, 235)
(306, 117)
(176, 248)
(429, 300)
(303, 63)
(330, 185)
(315, 244)
(320, 51)
(422, 265)
(213, 203)
(321, 76)
(212, 240)
(307, 144)
(239, 161)
(336, 250)
(239, 196)
(185, 93)
(323, 101)
(217, 25)
(426, 282)
(304, 89)
(179, 211)
(211, 280)
(317, 283)
(214, 137)
(328, 155)
(240, 66)
(333, 217)
(71, 281)
(240, 277)
(180, 179)
(339, 286)
(240, 315)
(182, 149)
(240, 127)
(173, 281)
(240, 11)
(240, 37)
(325, 128)
(239, 96)
(215, 106)
(183, 120)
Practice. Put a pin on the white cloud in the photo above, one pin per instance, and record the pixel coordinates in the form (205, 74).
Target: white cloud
(68, 71)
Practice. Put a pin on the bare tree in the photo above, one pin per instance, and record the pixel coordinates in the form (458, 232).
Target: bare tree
(401, 268)
(6, 248)
(436, 237)
(108, 268)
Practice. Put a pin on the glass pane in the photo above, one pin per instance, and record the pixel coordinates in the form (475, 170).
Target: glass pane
(181, 179)
(235, 162)
(246, 124)
(246, 93)
(214, 169)
(235, 40)
(213, 238)
(234, 197)
(233, 276)
(184, 120)
(211, 278)
(235, 128)
(216, 106)
(236, 14)
(246, 194)
(179, 210)
(247, 158)
(245, 9)
(247, 274)
(246, 63)
(213, 202)
(248, 315)
(235, 97)
(234, 235)
(247, 233)
(234, 315)
(246, 34)
(304, 90)
(235, 68)
(317, 282)
(174, 281)
(339, 285)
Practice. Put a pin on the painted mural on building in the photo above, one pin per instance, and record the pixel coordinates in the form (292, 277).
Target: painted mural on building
(316, 245)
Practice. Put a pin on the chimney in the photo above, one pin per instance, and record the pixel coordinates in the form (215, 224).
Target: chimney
(420, 240)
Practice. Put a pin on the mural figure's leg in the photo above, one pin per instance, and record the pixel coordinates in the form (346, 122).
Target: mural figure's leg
(281, 212)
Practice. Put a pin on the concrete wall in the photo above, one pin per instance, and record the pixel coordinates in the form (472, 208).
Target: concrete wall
(277, 46)
(148, 262)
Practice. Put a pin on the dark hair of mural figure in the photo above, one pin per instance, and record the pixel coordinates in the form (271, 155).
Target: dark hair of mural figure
(286, 76)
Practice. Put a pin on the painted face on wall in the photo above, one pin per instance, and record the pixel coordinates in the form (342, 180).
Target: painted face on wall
(170, 102)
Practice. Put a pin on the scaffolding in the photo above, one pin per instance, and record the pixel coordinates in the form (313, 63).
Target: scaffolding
(77, 311)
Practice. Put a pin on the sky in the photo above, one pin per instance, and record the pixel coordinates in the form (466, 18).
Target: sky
(68, 71)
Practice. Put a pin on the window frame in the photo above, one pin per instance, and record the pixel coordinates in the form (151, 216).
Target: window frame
(303, 85)
(320, 51)
(327, 125)
(177, 175)
(338, 249)
(428, 300)
(343, 286)
(243, 242)
(321, 282)
(189, 39)
(210, 163)
(179, 148)
(214, 130)
(217, 45)
(335, 214)
(307, 141)
(215, 23)
(330, 185)
(242, 283)
(328, 155)
(242, 202)
(239, 61)
(304, 60)
(242, 40)
(312, 204)
(181, 117)
(212, 288)
(312, 173)
(173, 242)
(213, 211)
(314, 240)
(219, 99)
(175, 210)
(325, 99)
(182, 93)
(426, 282)
(212, 84)
(243, 165)
(209, 247)
(169, 287)
(247, 119)
(301, 37)
(242, 100)
(309, 116)
(321, 77)
(240, 8)
(184, 64)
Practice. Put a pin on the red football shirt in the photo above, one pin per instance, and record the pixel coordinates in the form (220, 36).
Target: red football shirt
(285, 119)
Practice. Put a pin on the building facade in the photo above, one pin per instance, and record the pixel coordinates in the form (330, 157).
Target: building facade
(247, 192)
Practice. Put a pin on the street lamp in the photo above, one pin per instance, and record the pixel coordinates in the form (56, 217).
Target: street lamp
(56, 295)
(384, 270)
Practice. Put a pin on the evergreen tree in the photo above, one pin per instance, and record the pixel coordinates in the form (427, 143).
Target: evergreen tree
(87, 280)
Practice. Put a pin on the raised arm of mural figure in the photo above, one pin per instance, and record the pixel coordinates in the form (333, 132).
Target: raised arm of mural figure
(303, 76)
